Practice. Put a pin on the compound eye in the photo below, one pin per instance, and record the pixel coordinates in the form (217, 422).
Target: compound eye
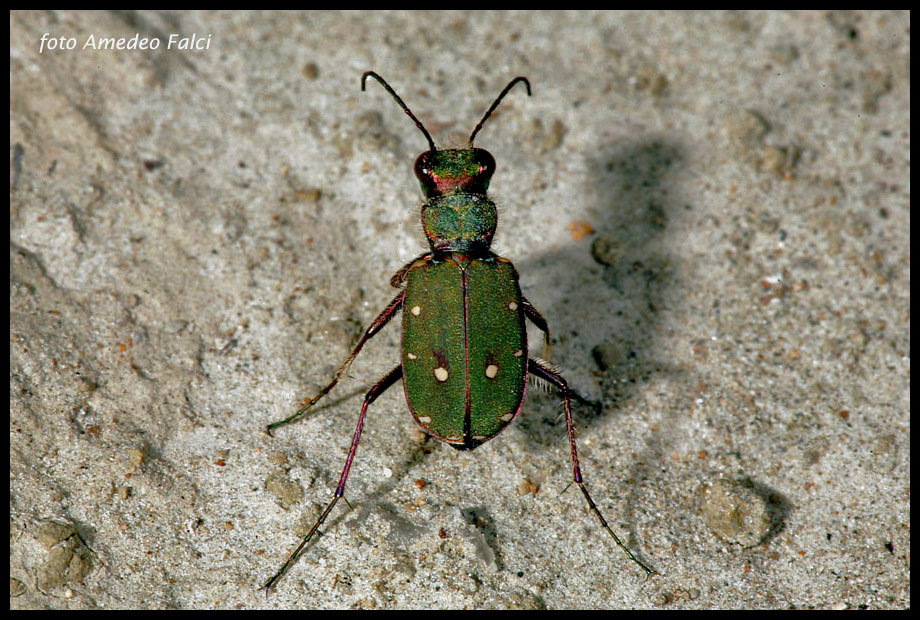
(423, 167)
(486, 161)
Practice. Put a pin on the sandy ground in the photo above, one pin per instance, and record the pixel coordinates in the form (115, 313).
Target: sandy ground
(711, 209)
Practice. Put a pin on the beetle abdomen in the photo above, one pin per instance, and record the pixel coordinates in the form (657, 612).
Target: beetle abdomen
(433, 348)
(464, 351)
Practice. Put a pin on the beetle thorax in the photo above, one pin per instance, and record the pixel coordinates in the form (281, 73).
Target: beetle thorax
(462, 223)
(458, 216)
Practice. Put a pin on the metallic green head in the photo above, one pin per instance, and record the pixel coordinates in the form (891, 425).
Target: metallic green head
(454, 171)
(458, 216)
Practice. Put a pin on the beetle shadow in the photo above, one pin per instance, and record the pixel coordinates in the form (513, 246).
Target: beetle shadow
(602, 296)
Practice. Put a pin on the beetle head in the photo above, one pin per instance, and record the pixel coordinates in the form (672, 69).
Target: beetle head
(453, 171)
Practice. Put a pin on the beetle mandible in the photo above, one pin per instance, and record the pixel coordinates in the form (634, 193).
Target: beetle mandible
(465, 362)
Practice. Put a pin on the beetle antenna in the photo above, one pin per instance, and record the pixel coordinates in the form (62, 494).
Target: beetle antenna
(405, 108)
(497, 101)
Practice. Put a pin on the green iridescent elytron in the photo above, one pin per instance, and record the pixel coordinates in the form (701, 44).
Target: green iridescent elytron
(464, 363)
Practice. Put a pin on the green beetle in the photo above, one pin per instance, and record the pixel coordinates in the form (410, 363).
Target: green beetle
(464, 361)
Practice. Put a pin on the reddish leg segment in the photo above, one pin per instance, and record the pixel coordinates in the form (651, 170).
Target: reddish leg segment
(550, 375)
(379, 388)
(399, 278)
(388, 313)
(537, 319)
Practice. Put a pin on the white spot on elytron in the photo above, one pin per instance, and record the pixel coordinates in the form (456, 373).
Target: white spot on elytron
(480, 437)
(491, 371)
(518, 353)
(507, 417)
(454, 439)
(440, 374)
(512, 305)
(412, 356)
(424, 419)
(416, 310)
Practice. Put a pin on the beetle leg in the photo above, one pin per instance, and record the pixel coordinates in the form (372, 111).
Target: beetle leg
(400, 276)
(594, 404)
(388, 313)
(552, 376)
(537, 319)
(379, 388)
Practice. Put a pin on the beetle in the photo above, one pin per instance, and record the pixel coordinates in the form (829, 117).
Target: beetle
(465, 363)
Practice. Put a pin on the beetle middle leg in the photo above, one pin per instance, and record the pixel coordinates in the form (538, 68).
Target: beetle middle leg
(537, 319)
(540, 322)
(548, 374)
(382, 319)
(379, 388)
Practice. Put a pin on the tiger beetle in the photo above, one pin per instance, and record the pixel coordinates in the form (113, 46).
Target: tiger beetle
(465, 361)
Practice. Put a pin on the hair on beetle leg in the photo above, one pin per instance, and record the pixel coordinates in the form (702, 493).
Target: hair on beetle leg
(540, 384)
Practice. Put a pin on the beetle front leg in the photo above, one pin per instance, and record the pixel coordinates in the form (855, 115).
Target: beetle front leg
(388, 313)
(399, 277)
(552, 376)
(379, 388)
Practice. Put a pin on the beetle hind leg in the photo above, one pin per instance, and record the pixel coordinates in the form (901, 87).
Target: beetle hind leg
(546, 384)
(549, 374)
(379, 388)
